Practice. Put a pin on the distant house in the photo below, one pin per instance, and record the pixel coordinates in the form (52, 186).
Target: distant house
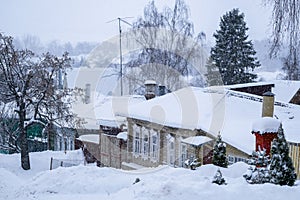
(108, 147)
(287, 91)
(64, 138)
(185, 123)
(257, 88)
(39, 139)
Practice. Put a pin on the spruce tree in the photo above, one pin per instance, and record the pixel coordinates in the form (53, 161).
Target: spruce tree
(219, 153)
(233, 54)
(281, 167)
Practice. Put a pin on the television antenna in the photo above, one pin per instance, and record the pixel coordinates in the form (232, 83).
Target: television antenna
(119, 19)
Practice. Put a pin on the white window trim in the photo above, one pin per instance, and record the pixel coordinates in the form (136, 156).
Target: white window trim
(145, 145)
(171, 152)
(136, 139)
(154, 147)
(183, 152)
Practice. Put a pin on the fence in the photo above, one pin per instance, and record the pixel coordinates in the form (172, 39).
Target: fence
(55, 163)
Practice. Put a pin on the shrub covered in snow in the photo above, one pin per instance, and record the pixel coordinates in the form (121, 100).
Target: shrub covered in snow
(219, 153)
(258, 172)
(218, 178)
(192, 163)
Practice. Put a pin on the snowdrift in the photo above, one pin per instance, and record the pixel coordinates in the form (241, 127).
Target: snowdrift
(91, 182)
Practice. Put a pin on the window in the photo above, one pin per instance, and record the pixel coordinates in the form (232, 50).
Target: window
(71, 144)
(136, 140)
(60, 144)
(145, 142)
(183, 154)
(154, 145)
(171, 150)
(65, 144)
(234, 159)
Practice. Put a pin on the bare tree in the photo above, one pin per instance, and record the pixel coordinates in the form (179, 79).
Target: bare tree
(31, 42)
(286, 29)
(28, 82)
(8, 128)
(168, 45)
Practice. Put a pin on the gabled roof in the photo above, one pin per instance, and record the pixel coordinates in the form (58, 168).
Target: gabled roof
(285, 89)
(101, 110)
(215, 110)
(105, 110)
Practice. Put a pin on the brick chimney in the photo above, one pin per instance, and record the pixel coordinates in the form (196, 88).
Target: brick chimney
(265, 129)
(268, 104)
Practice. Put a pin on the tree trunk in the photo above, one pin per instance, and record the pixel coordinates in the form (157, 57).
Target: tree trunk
(51, 136)
(23, 139)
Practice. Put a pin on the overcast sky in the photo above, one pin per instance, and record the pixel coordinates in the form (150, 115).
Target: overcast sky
(86, 20)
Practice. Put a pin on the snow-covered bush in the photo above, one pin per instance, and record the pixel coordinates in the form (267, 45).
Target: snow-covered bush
(218, 178)
(258, 172)
(192, 163)
(256, 175)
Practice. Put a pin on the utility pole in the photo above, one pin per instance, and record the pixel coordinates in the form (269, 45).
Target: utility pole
(120, 39)
(121, 67)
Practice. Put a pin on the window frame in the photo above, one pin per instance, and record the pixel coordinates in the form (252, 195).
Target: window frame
(154, 146)
(145, 143)
(136, 140)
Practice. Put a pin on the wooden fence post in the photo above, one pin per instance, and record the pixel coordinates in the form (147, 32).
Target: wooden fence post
(51, 161)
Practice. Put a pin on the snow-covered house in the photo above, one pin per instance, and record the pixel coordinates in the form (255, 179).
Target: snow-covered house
(171, 128)
(109, 145)
(64, 139)
(113, 129)
(39, 134)
(180, 125)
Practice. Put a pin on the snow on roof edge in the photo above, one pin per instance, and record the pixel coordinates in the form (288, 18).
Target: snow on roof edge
(266, 125)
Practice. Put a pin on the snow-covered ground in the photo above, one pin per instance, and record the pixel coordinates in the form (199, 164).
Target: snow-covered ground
(91, 182)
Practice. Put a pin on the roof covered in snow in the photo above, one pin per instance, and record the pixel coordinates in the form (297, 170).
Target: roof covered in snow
(248, 85)
(101, 109)
(266, 125)
(150, 82)
(107, 108)
(215, 110)
(196, 140)
(93, 138)
(122, 135)
(284, 90)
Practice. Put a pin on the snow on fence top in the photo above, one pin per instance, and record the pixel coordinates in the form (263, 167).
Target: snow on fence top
(266, 125)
